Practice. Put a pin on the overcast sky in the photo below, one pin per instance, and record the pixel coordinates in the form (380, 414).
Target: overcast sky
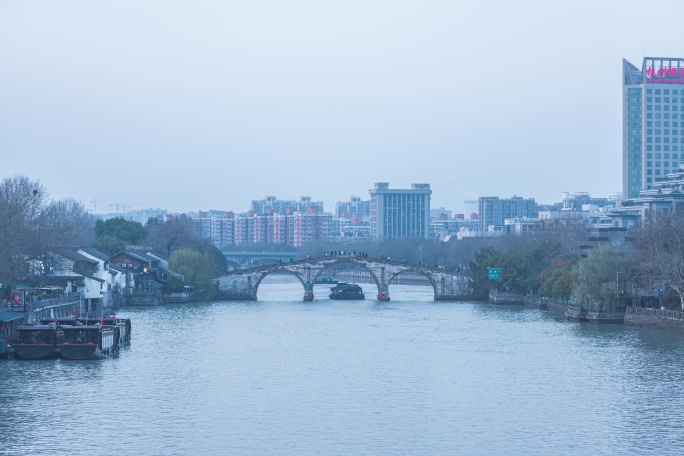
(196, 105)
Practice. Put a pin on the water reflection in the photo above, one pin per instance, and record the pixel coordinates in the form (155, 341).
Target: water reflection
(410, 376)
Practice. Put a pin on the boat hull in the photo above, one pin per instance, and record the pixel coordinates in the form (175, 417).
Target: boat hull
(33, 351)
(347, 298)
(78, 351)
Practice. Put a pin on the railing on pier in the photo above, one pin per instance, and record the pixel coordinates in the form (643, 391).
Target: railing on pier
(673, 314)
(45, 303)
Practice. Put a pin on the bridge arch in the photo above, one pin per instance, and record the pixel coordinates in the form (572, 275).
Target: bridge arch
(268, 272)
(419, 271)
(349, 261)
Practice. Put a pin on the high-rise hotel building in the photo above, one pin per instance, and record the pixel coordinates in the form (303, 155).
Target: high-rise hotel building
(653, 98)
(400, 213)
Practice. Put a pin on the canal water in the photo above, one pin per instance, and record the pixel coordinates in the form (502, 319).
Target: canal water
(280, 376)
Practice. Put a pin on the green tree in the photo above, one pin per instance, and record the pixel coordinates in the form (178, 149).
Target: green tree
(558, 280)
(114, 234)
(515, 271)
(195, 266)
(597, 276)
(483, 259)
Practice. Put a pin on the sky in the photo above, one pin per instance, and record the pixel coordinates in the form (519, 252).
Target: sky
(203, 104)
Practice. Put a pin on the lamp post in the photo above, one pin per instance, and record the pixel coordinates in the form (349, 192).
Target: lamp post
(617, 290)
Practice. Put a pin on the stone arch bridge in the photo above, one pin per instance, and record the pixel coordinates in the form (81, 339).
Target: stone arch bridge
(243, 284)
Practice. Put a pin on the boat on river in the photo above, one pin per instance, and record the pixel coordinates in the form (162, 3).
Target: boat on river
(38, 341)
(347, 292)
(121, 326)
(88, 341)
(326, 281)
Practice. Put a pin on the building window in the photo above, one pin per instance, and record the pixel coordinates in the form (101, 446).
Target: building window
(666, 116)
(666, 92)
(649, 131)
(649, 99)
(649, 164)
(657, 91)
(666, 156)
(657, 123)
(675, 108)
(649, 147)
(657, 140)
(657, 108)
(666, 147)
(657, 148)
(657, 172)
(666, 108)
(649, 139)
(666, 132)
(658, 131)
(666, 123)
(674, 91)
(675, 100)
(674, 156)
(649, 123)
(657, 99)
(657, 165)
(649, 156)
(649, 116)
(657, 156)
(649, 91)
(657, 115)
(648, 172)
(675, 124)
(649, 107)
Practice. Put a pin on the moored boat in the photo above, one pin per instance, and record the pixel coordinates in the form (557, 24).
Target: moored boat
(87, 341)
(347, 291)
(37, 341)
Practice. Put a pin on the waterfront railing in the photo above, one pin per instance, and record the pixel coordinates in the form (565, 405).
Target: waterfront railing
(674, 314)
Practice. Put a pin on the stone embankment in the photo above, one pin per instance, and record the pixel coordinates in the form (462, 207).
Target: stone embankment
(654, 318)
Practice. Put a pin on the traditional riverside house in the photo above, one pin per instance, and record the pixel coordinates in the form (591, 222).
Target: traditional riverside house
(113, 278)
(144, 269)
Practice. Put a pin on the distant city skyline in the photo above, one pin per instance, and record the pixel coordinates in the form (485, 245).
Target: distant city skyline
(211, 104)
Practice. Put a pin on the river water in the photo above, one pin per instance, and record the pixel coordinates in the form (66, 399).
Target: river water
(280, 376)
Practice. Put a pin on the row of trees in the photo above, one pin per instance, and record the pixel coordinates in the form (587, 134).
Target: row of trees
(557, 262)
(34, 229)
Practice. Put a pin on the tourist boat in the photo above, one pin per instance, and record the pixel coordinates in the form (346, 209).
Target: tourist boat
(38, 341)
(347, 291)
(87, 341)
(121, 326)
(326, 281)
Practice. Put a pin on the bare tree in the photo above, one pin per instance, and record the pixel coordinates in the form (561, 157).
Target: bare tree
(21, 200)
(659, 252)
(170, 235)
(33, 228)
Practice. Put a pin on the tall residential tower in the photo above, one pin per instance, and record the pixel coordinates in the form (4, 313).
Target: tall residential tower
(400, 214)
(653, 97)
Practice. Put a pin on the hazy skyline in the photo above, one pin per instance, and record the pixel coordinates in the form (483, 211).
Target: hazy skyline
(208, 105)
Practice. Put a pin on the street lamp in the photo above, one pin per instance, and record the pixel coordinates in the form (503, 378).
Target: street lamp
(617, 289)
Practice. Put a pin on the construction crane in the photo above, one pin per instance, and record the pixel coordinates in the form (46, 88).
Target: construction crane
(124, 206)
(94, 203)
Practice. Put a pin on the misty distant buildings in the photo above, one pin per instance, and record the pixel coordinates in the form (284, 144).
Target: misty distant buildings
(652, 102)
(399, 213)
(272, 205)
(494, 211)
